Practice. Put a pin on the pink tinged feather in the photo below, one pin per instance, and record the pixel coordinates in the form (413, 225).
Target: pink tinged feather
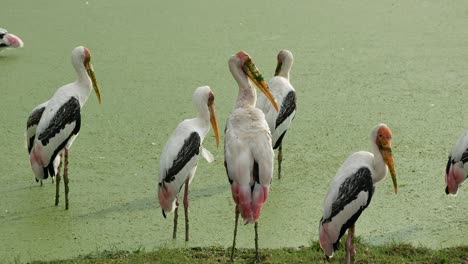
(15, 42)
(325, 243)
(454, 178)
(259, 197)
(243, 198)
(37, 164)
(167, 199)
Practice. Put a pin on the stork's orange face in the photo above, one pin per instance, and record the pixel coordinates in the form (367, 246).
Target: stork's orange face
(384, 142)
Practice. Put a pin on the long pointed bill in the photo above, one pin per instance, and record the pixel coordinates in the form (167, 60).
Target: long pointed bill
(386, 151)
(214, 123)
(252, 72)
(90, 70)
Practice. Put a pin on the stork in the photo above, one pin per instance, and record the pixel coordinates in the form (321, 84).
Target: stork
(30, 133)
(248, 152)
(456, 172)
(351, 191)
(60, 122)
(285, 95)
(8, 40)
(179, 158)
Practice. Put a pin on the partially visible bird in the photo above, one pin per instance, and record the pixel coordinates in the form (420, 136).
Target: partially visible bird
(30, 134)
(285, 95)
(8, 40)
(179, 158)
(60, 122)
(456, 172)
(248, 153)
(351, 191)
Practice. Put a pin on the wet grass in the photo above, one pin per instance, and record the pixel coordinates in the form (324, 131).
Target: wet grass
(393, 253)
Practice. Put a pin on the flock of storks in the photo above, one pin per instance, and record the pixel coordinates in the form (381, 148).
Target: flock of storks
(254, 129)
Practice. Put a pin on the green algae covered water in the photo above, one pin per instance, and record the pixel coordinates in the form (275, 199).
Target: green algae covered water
(356, 64)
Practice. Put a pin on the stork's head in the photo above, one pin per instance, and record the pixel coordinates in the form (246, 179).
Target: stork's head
(252, 72)
(285, 58)
(454, 176)
(82, 57)
(8, 40)
(383, 139)
(203, 98)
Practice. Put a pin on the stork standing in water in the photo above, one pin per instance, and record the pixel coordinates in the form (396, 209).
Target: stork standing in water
(351, 191)
(31, 125)
(248, 151)
(60, 121)
(180, 155)
(8, 40)
(456, 172)
(285, 94)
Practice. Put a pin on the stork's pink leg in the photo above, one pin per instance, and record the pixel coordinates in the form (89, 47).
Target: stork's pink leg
(57, 181)
(65, 178)
(350, 250)
(235, 233)
(176, 215)
(280, 158)
(186, 204)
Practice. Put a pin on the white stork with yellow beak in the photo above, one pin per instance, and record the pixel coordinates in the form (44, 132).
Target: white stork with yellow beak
(60, 121)
(248, 153)
(179, 158)
(351, 191)
(285, 95)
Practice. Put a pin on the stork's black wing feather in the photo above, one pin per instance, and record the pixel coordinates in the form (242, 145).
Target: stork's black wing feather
(33, 120)
(287, 108)
(190, 148)
(66, 114)
(349, 190)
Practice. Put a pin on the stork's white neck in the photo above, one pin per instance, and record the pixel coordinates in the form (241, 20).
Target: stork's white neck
(286, 68)
(247, 95)
(204, 114)
(83, 81)
(380, 167)
(287, 62)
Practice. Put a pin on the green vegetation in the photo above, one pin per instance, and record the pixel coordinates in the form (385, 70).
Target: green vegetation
(395, 253)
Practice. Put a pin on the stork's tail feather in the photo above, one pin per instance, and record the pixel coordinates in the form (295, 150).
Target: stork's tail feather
(259, 197)
(325, 243)
(167, 200)
(250, 201)
(51, 169)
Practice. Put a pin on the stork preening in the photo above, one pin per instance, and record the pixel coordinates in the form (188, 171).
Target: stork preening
(351, 191)
(456, 172)
(60, 121)
(248, 153)
(285, 95)
(8, 40)
(31, 125)
(179, 158)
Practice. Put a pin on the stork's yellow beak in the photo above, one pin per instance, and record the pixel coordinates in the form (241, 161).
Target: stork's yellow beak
(213, 119)
(386, 151)
(90, 70)
(252, 72)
